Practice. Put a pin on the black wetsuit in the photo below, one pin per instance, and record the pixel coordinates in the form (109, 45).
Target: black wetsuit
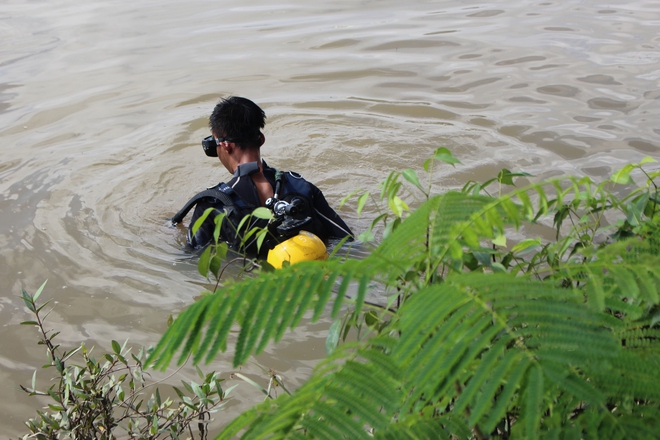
(239, 198)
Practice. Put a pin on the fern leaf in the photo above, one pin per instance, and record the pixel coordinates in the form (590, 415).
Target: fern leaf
(228, 315)
(351, 404)
(459, 358)
(310, 287)
(324, 293)
(260, 323)
(503, 403)
(213, 328)
(366, 380)
(375, 356)
(342, 289)
(569, 382)
(318, 427)
(424, 428)
(279, 300)
(344, 427)
(500, 373)
(250, 324)
(533, 395)
(173, 337)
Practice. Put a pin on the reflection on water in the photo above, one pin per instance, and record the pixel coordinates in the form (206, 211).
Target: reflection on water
(102, 107)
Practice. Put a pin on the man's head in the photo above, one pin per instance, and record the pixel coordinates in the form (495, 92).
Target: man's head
(240, 121)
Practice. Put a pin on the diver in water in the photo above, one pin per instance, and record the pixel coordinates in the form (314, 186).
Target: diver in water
(298, 205)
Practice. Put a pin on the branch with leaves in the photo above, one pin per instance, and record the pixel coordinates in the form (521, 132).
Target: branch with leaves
(99, 398)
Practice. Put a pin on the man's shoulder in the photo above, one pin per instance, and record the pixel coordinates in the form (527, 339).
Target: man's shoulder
(223, 187)
(295, 178)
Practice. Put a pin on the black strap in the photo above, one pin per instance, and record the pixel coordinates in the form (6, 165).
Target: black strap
(208, 193)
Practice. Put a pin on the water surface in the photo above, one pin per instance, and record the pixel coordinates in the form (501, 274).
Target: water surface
(103, 106)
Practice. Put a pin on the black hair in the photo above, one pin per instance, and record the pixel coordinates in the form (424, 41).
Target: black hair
(240, 120)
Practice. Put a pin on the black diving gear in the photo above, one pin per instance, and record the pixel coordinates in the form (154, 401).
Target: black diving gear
(296, 203)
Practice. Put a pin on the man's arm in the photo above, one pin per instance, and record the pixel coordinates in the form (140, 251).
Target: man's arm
(332, 222)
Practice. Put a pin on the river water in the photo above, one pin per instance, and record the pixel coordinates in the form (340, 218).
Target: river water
(103, 105)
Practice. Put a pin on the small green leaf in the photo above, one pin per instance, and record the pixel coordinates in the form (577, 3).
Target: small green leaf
(500, 240)
(251, 382)
(362, 200)
(261, 236)
(116, 347)
(444, 155)
(366, 236)
(215, 265)
(218, 225)
(623, 175)
(29, 303)
(526, 244)
(197, 390)
(204, 262)
(263, 213)
(59, 365)
(333, 337)
(398, 206)
(201, 219)
(371, 318)
(411, 176)
(348, 197)
(498, 267)
(38, 292)
(229, 390)
(505, 176)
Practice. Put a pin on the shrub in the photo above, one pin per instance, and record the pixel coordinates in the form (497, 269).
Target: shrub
(104, 398)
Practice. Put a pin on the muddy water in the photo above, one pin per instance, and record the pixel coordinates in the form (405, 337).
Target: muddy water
(103, 105)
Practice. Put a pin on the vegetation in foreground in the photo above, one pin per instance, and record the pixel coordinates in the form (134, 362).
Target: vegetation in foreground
(104, 398)
(482, 337)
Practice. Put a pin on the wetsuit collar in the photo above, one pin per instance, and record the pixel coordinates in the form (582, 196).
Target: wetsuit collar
(246, 169)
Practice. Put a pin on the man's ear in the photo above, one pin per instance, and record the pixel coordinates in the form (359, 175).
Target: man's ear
(223, 146)
(262, 138)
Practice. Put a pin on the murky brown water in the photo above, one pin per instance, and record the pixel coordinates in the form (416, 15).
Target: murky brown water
(103, 105)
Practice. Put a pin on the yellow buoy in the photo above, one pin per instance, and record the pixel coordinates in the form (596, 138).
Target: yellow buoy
(303, 247)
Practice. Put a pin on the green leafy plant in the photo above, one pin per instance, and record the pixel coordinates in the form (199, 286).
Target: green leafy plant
(487, 341)
(104, 398)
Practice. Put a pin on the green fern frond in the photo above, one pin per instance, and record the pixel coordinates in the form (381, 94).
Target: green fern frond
(628, 270)
(533, 402)
(437, 362)
(484, 373)
(265, 306)
(426, 233)
(339, 402)
(425, 427)
(428, 362)
(510, 387)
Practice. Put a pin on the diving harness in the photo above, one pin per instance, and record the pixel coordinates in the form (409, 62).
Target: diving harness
(289, 221)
